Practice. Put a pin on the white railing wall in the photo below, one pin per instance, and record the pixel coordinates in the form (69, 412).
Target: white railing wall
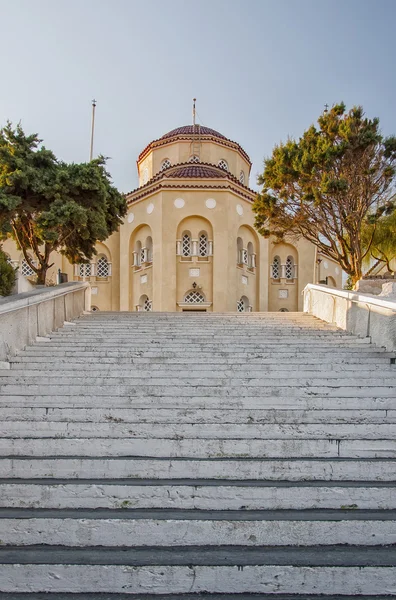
(365, 315)
(24, 317)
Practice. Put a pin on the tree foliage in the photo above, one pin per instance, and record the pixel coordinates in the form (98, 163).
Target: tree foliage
(7, 275)
(47, 205)
(383, 244)
(325, 187)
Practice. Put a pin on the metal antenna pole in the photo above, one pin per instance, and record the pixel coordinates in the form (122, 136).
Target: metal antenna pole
(92, 128)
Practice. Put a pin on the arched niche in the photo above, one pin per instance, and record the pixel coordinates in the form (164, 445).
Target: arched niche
(194, 255)
(247, 266)
(140, 265)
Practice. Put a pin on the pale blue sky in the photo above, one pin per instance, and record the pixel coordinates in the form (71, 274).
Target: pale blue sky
(260, 69)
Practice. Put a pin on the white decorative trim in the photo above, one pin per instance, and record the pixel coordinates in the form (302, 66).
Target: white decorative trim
(194, 272)
(239, 209)
(179, 203)
(210, 203)
(150, 208)
(131, 217)
(143, 278)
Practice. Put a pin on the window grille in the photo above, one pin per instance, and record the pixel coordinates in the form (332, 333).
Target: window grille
(244, 256)
(8, 258)
(85, 270)
(186, 245)
(240, 306)
(194, 159)
(148, 305)
(283, 310)
(276, 268)
(194, 297)
(142, 256)
(165, 164)
(242, 177)
(223, 164)
(103, 267)
(203, 245)
(289, 268)
(26, 269)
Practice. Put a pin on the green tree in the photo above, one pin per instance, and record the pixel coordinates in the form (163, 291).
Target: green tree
(47, 205)
(328, 184)
(7, 275)
(382, 235)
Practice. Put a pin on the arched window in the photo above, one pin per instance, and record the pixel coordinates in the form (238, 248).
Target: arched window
(145, 304)
(243, 304)
(102, 267)
(251, 256)
(194, 297)
(283, 310)
(203, 244)
(166, 163)
(26, 269)
(289, 268)
(275, 267)
(137, 254)
(186, 244)
(242, 178)
(239, 251)
(149, 249)
(85, 270)
(223, 164)
(194, 159)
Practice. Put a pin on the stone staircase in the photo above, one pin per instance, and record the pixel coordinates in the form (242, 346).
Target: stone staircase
(182, 456)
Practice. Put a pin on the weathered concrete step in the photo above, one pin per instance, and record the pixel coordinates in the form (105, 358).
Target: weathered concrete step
(176, 468)
(205, 356)
(234, 389)
(193, 596)
(174, 344)
(195, 528)
(377, 361)
(193, 415)
(197, 448)
(149, 366)
(211, 401)
(211, 431)
(289, 570)
(362, 372)
(254, 495)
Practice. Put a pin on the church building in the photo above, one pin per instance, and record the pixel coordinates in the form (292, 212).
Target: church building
(188, 240)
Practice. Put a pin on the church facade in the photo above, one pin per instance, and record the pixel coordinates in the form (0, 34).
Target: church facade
(188, 240)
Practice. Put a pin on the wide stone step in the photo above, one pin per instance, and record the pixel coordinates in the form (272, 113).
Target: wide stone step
(181, 468)
(51, 412)
(210, 431)
(289, 570)
(198, 494)
(167, 527)
(66, 363)
(387, 374)
(193, 596)
(123, 366)
(211, 401)
(197, 448)
(167, 388)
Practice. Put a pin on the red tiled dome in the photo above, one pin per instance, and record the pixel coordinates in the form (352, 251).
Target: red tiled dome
(196, 171)
(189, 130)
